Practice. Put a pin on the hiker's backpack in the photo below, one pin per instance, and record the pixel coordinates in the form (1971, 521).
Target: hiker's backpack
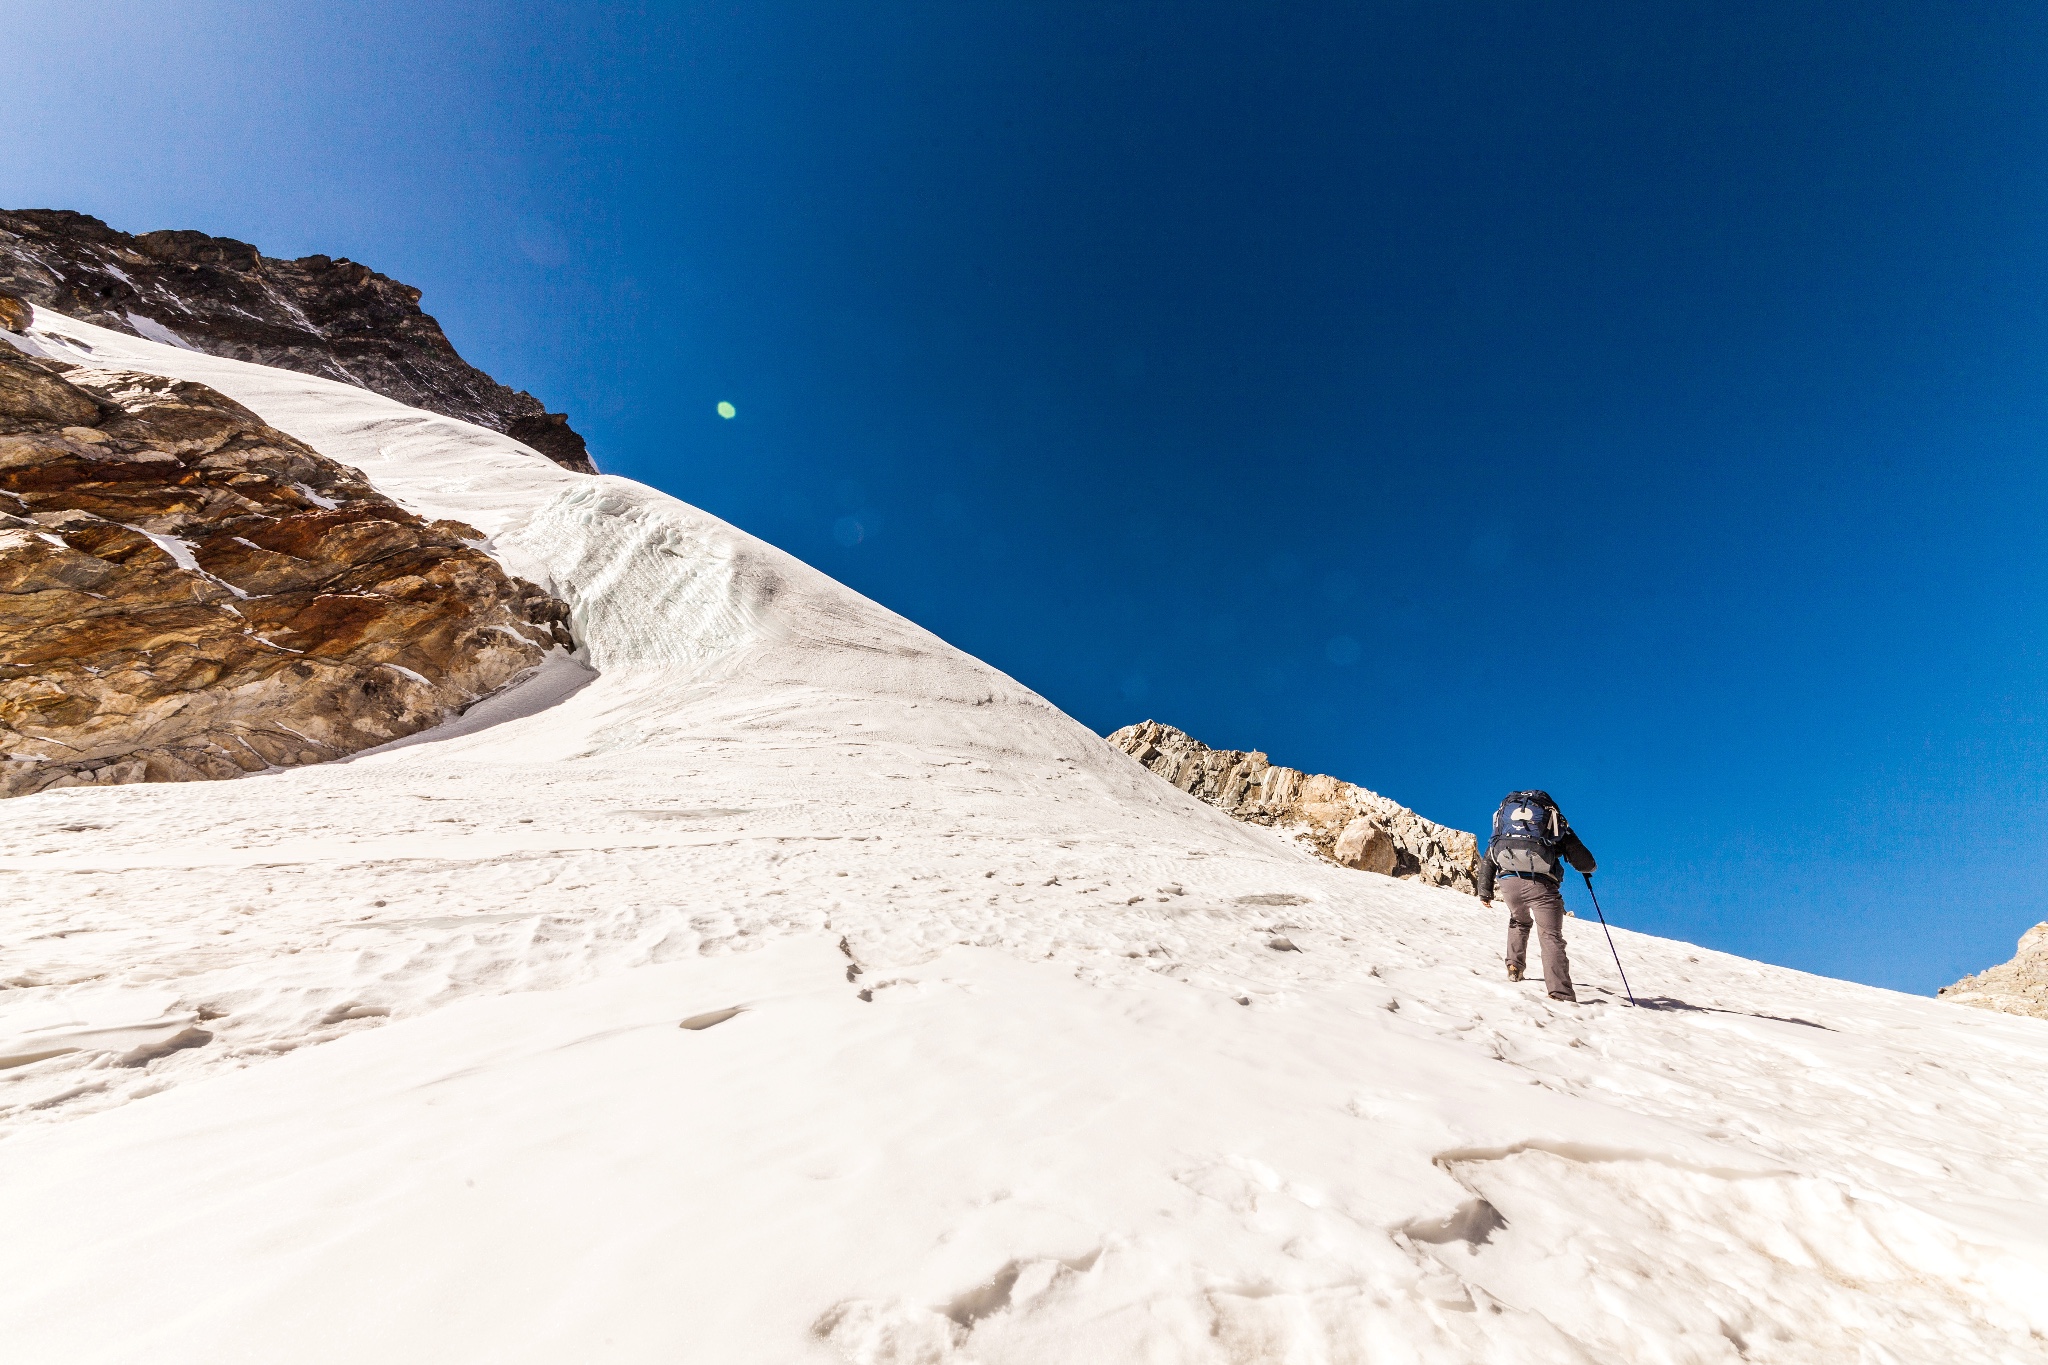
(1528, 830)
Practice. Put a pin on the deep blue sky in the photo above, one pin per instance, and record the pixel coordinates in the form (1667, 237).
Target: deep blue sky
(1641, 401)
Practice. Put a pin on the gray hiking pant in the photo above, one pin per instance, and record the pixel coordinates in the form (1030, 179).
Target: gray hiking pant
(1542, 903)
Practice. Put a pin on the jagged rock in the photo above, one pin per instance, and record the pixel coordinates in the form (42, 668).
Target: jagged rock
(1337, 820)
(15, 315)
(188, 593)
(2016, 987)
(551, 434)
(316, 315)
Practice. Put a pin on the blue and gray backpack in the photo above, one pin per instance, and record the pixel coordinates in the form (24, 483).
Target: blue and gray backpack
(1528, 830)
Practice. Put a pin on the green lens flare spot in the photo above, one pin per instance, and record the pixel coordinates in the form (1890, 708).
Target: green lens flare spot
(727, 410)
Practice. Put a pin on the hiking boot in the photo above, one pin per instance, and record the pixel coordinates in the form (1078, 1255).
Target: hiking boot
(1561, 998)
(1514, 971)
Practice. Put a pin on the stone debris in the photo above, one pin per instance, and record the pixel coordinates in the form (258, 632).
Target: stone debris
(1337, 820)
(188, 593)
(334, 318)
(2016, 987)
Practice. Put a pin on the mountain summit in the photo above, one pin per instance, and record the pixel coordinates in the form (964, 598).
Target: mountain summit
(317, 315)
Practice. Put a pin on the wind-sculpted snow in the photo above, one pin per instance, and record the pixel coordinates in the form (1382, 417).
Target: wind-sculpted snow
(381, 1059)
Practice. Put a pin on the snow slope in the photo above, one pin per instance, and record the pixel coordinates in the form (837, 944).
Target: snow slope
(1016, 1076)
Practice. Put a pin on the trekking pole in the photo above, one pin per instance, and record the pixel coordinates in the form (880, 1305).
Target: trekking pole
(1610, 939)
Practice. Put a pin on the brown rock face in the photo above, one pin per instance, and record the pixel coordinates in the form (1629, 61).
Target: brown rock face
(316, 315)
(1345, 823)
(1365, 845)
(2016, 987)
(188, 593)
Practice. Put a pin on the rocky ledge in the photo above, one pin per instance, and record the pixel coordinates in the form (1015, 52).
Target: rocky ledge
(2016, 987)
(1337, 820)
(316, 315)
(187, 593)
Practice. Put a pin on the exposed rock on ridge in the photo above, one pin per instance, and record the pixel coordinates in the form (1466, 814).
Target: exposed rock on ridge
(2016, 987)
(1338, 820)
(187, 593)
(316, 315)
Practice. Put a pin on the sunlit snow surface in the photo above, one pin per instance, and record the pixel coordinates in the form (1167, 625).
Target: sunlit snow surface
(1071, 1107)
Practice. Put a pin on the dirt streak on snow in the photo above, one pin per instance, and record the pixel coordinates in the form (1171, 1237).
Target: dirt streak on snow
(1014, 1078)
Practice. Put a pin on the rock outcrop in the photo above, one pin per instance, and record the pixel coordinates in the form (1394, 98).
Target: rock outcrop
(1338, 820)
(316, 315)
(187, 593)
(2016, 987)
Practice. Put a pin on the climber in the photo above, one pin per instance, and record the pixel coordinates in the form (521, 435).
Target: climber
(1530, 837)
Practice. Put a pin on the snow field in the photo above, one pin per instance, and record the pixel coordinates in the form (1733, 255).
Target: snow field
(381, 1059)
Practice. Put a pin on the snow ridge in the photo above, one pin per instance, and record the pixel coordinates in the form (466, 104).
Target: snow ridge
(989, 1054)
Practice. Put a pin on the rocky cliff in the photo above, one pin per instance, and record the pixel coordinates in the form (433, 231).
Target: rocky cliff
(187, 593)
(2016, 987)
(1338, 820)
(317, 315)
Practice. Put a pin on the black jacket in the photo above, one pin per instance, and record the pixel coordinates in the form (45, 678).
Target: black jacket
(1570, 848)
